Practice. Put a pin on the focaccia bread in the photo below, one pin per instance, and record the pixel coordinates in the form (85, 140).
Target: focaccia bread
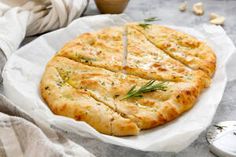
(86, 80)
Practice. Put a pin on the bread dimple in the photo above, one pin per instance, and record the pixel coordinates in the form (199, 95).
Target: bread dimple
(84, 81)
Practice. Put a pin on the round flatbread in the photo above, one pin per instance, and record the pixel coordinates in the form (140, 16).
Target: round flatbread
(166, 72)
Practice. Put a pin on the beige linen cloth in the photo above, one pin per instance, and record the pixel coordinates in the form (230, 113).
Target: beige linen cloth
(19, 136)
(20, 18)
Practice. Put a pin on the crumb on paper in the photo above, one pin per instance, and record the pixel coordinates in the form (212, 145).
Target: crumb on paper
(198, 8)
(183, 6)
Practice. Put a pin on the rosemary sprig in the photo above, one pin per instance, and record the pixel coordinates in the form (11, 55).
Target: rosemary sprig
(219, 127)
(148, 87)
(151, 19)
(146, 23)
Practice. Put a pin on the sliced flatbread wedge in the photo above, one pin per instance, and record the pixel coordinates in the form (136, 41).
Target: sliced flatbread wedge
(181, 46)
(65, 100)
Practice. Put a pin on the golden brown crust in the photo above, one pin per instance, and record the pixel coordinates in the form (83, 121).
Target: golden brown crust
(84, 81)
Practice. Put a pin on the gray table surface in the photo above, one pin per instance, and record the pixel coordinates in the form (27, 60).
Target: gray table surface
(168, 12)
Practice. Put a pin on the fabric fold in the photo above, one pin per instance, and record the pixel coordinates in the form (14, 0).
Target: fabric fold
(19, 137)
(30, 17)
(18, 19)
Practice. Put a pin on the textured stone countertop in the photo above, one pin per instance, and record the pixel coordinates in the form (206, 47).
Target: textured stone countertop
(168, 12)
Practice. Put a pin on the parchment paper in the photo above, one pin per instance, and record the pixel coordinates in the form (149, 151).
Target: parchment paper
(24, 69)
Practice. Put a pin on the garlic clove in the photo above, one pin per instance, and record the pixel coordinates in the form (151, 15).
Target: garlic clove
(183, 6)
(213, 16)
(198, 8)
(218, 21)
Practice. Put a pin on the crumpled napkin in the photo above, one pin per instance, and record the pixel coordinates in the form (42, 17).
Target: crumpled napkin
(20, 18)
(21, 138)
